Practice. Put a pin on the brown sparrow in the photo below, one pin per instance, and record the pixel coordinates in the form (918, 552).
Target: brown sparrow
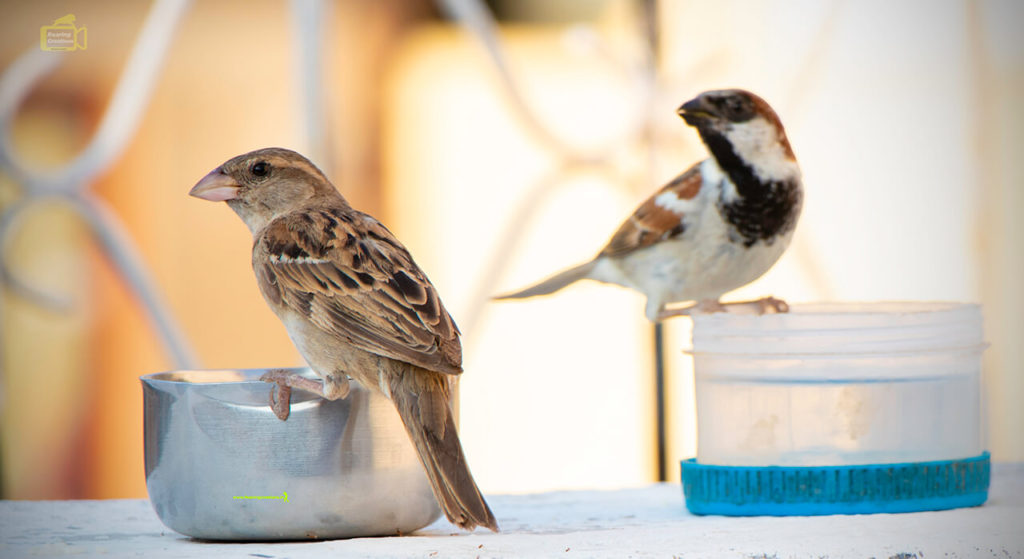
(717, 227)
(356, 305)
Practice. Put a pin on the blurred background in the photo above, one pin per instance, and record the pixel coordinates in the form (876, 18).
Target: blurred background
(501, 141)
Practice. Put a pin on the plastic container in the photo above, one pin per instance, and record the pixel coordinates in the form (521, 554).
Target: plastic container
(831, 384)
(838, 408)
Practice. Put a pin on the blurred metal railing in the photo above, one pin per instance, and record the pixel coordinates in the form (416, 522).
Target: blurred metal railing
(478, 21)
(69, 184)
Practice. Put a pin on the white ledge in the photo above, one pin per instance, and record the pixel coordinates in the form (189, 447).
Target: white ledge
(649, 521)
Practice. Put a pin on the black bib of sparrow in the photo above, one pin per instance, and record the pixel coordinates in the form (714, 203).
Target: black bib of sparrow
(764, 210)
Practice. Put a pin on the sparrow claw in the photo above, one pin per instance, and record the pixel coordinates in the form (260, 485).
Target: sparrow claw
(771, 305)
(281, 395)
(285, 377)
(281, 400)
(766, 305)
(703, 307)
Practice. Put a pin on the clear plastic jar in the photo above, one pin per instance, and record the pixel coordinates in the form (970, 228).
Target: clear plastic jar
(838, 384)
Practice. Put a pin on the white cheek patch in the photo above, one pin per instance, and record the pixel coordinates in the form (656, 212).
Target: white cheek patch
(673, 203)
(754, 137)
(757, 142)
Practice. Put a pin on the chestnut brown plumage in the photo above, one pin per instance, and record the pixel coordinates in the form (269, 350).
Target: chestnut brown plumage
(356, 305)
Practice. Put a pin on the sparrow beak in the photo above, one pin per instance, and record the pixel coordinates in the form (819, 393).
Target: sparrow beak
(695, 110)
(216, 187)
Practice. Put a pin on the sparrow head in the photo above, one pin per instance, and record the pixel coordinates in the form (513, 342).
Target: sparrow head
(744, 123)
(264, 184)
(722, 108)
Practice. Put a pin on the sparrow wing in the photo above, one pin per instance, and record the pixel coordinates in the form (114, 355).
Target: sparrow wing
(660, 217)
(347, 274)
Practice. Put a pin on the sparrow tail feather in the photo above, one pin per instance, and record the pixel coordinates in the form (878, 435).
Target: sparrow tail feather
(421, 397)
(554, 283)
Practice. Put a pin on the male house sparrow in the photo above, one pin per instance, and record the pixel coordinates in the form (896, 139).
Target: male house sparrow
(356, 305)
(718, 226)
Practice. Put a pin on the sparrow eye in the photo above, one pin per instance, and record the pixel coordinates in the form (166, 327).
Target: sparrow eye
(260, 168)
(736, 109)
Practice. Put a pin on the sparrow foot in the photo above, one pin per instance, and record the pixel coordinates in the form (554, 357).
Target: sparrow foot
(281, 401)
(703, 307)
(772, 305)
(281, 395)
(765, 305)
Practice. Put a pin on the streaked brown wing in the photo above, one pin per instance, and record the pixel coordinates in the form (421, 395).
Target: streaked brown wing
(657, 219)
(349, 276)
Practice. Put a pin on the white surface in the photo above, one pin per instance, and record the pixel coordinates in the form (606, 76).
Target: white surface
(646, 522)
